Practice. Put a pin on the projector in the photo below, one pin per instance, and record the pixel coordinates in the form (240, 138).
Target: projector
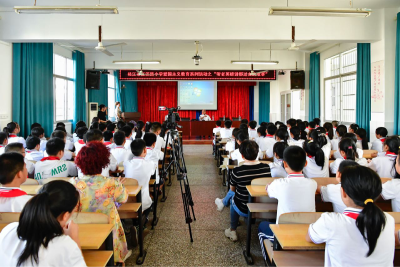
(197, 59)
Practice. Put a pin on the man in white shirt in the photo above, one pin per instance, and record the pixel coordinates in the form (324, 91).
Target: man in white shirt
(32, 151)
(380, 134)
(13, 173)
(119, 152)
(152, 154)
(3, 141)
(252, 130)
(204, 116)
(226, 132)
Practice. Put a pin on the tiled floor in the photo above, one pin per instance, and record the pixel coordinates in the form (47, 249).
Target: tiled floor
(169, 244)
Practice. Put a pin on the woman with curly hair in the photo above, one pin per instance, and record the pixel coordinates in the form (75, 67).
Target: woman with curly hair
(100, 193)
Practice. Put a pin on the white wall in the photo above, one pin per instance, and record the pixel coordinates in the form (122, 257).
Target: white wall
(5, 83)
(277, 87)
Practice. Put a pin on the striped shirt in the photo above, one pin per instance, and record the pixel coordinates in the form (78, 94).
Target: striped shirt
(242, 176)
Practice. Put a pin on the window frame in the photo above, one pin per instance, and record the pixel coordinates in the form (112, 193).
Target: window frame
(67, 79)
(115, 91)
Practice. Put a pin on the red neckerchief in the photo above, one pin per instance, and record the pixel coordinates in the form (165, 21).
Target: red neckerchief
(295, 175)
(50, 158)
(149, 148)
(391, 155)
(268, 135)
(351, 214)
(309, 156)
(218, 127)
(119, 147)
(1, 146)
(334, 127)
(14, 192)
(13, 135)
(112, 131)
(107, 143)
(383, 140)
(28, 151)
(81, 142)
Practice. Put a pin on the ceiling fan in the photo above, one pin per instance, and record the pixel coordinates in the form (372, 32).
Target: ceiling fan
(294, 47)
(140, 72)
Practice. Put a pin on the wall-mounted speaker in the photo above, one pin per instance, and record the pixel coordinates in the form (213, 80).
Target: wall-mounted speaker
(297, 79)
(93, 79)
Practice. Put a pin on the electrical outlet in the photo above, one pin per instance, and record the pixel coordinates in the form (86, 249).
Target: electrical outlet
(3, 116)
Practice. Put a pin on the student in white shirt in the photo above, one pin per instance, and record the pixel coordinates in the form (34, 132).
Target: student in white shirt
(204, 116)
(69, 144)
(155, 128)
(335, 125)
(80, 132)
(53, 166)
(363, 234)
(13, 129)
(22, 243)
(317, 163)
(231, 143)
(70, 137)
(32, 151)
(68, 155)
(108, 138)
(266, 138)
(3, 141)
(384, 165)
(362, 141)
(331, 192)
(217, 127)
(347, 150)
(286, 190)
(139, 133)
(241, 136)
(341, 130)
(295, 139)
(380, 133)
(226, 132)
(391, 189)
(39, 132)
(13, 173)
(152, 154)
(318, 136)
(75, 137)
(19, 148)
(277, 169)
(119, 152)
(353, 128)
(281, 135)
(353, 137)
(252, 130)
(329, 131)
(128, 136)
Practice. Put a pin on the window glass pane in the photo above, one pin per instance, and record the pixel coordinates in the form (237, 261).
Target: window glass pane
(349, 61)
(71, 103)
(111, 102)
(349, 98)
(111, 82)
(60, 88)
(70, 68)
(60, 65)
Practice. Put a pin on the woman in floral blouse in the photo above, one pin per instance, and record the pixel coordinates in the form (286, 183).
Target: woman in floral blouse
(102, 194)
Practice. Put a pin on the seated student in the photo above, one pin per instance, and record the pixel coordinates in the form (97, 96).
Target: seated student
(277, 169)
(53, 166)
(391, 189)
(45, 234)
(244, 121)
(139, 132)
(241, 136)
(226, 132)
(13, 129)
(331, 192)
(362, 141)
(252, 130)
(281, 135)
(128, 134)
(238, 196)
(121, 124)
(353, 137)
(102, 127)
(111, 127)
(302, 127)
(68, 155)
(69, 145)
(141, 170)
(13, 173)
(266, 136)
(317, 163)
(287, 191)
(341, 130)
(353, 128)
(119, 152)
(81, 132)
(317, 122)
(380, 133)
(311, 126)
(217, 127)
(347, 150)
(70, 137)
(102, 193)
(295, 138)
(152, 154)
(363, 234)
(329, 130)
(318, 135)
(155, 128)
(231, 143)
(19, 148)
(39, 132)
(335, 125)
(78, 125)
(108, 138)
(290, 123)
(385, 165)
(94, 125)
(3, 141)
(32, 151)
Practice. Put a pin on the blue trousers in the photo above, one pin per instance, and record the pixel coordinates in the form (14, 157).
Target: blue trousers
(235, 215)
(265, 232)
(228, 197)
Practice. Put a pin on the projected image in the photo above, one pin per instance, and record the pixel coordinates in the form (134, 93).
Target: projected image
(196, 92)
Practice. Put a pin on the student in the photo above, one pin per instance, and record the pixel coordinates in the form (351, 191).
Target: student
(277, 169)
(3, 141)
(380, 133)
(226, 132)
(244, 121)
(335, 125)
(317, 164)
(252, 130)
(353, 128)
(111, 127)
(69, 145)
(70, 137)
(102, 193)
(217, 127)
(295, 137)
(266, 140)
(318, 136)
(128, 134)
(290, 124)
(108, 138)
(19, 148)
(121, 124)
(362, 141)
(385, 165)
(280, 136)
(119, 152)
(139, 130)
(80, 133)
(32, 151)
(53, 166)
(311, 126)
(341, 130)
(363, 234)
(317, 122)
(347, 150)
(78, 125)
(302, 126)
(13, 129)
(68, 155)
(155, 128)
(102, 127)
(231, 144)
(45, 234)
(152, 154)
(287, 191)
(353, 137)
(241, 136)
(391, 189)
(329, 130)
(39, 132)
(331, 192)
(13, 173)
(94, 125)
(242, 176)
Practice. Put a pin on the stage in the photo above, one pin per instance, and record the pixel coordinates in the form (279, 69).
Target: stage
(192, 129)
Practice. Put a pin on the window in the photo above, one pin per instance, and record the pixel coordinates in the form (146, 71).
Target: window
(63, 88)
(340, 87)
(111, 96)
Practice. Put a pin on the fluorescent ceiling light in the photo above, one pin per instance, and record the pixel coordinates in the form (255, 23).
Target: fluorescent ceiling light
(137, 62)
(315, 11)
(255, 62)
(66, 9)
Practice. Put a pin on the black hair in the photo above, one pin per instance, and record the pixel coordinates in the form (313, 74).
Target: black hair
(94, 135)
(252, 124)
(318, 136)
(271, 129)
(354, 127)
(312, 124)
(60, 124)
(58, 134)
(107, 135)
(228, 124)
(235, 132)
(243, 126)
(302, 127)
(329, 129)
(37, 131)
(150, 138)
(313, 149)
(54, 146)
(242, 135)
(130, 124)
(262, 131)
(298, 121)
(292, 122)
(102, 126)
(119, 138)
(352, 136)
(14, 147)
(121, 124)
(360, 184)
(38, 223)
(10, 164)
(137, 147)
(3, 137)
(249, 149)
(78, 125)
(362, 133)
(155, 126)
(95, 125)
(282, 134)
(296, 132)
(10, 128)
(60, 128)
(349, 148)
(139, 128)
(218, 123)
(341, 130)
(32, 142)
(102, 106)
(264, 124)
(81, 131)
(127, 130)
(245, 121)
(111, 127)
(393, 144)
(295, 157)
(147, 127)
(382, 131)
(34, 125)
(317, 121)
(346, 163)
(279, 148)
(306, 123)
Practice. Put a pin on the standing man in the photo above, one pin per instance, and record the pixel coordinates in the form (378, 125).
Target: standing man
(204, 116)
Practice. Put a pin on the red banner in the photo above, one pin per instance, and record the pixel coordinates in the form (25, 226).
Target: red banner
(195, 75)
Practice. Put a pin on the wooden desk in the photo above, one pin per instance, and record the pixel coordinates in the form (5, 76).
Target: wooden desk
(299, 258)
(31, 189)
(200, 128)
(133, 190)
(257, 190)
(185, 127)
(95, 258)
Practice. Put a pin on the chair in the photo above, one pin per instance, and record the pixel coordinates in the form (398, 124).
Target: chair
(48, 180)
(131, 181)
(30, 181)
(9, 217)
(90, 218)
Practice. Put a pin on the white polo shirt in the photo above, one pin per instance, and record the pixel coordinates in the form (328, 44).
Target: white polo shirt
(267, 144)
(204, 117)
(43, 143)
(236, 155)
(335, 144)
(68, 145)
(216, 129)
(345, 245)
(336, 154)
(277, 169)
(128, 142)
(16, 139)
(121, 154)
(61, 250)
(331, 193)
(78, 145)
(53, 167)
(33, 155)
(109, 144)
(225, 133)
(105, 171)
(141, 170)
(160, 143)
(67, 154)
(312, 170)
(134, 135)
(230, 145)
(30, 167)
(298, 143)
(378, 144)
(286, 191)
(384, 165)
(253, 135)
(327, 150)
(12, 199)
(391, 190)
(154, 156)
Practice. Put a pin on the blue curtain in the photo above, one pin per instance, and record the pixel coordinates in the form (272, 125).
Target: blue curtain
(32, 91)
(100, 96)
(80, 113)
(198, 113)
(251, 103)
(129, 101)
(363, 94)
(314, 86)
(117, 87)
(397, 81)
(264, 101)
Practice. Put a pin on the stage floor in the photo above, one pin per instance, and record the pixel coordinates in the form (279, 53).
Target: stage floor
(197, 141)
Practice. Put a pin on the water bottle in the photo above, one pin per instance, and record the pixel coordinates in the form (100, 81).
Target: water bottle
(224, 117)
(213, 117)
(240, 118)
